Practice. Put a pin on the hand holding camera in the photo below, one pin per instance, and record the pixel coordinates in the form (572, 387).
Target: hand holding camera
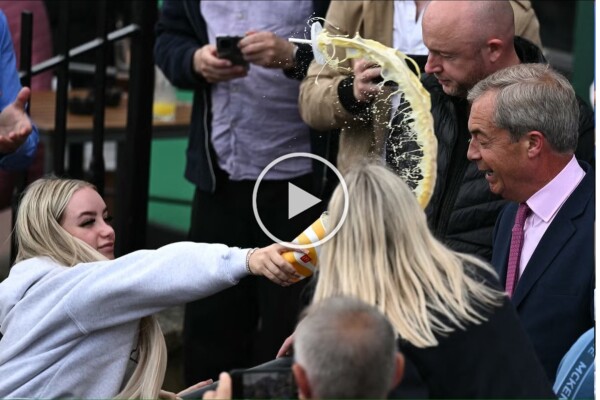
(271, 383)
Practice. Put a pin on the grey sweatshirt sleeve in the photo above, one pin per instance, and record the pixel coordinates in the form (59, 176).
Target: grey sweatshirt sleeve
(109, 293)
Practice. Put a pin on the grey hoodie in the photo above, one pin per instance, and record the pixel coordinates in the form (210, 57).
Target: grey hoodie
(69, 332)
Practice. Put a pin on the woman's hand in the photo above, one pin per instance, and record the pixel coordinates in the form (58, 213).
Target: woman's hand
(166, 395)
(269, 263)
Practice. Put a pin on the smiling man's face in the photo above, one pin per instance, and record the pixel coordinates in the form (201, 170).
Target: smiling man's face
(501, 159)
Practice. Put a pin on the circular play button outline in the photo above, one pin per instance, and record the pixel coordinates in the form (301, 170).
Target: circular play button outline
(289, 244)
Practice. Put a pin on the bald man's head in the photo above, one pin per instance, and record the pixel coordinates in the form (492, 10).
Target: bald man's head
(476, 20)
(467, 41)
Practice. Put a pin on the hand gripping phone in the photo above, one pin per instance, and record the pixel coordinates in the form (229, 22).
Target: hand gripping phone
(227, 48)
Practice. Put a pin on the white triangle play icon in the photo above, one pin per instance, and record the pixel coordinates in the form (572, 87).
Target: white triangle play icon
(299, 200)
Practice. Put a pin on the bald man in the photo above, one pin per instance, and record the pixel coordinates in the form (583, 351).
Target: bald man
(467, 41)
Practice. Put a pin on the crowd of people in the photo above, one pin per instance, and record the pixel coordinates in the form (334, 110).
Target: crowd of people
(486, 293)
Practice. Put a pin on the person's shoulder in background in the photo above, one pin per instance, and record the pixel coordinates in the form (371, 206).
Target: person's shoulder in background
(575, 375)
(526, 21)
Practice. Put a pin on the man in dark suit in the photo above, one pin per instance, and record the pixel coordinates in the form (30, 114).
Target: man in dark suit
(523, 126)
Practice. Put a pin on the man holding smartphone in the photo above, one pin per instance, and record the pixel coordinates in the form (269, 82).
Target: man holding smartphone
(245, 115)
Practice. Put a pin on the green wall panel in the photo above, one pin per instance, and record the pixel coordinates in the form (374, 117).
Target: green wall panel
(173, 216)
(167, 164)
(584, 49)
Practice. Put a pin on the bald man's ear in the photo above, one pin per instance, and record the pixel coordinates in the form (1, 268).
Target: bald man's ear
(304, 389)
(399, 372)
(495, 48)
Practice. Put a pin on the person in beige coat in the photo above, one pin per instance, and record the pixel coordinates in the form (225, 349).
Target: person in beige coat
(332, 103)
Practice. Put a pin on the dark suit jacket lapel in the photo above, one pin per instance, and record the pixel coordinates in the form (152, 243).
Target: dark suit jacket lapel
(558, 234)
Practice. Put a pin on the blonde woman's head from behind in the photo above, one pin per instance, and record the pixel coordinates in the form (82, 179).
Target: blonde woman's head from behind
(385, 255)
(384, 219)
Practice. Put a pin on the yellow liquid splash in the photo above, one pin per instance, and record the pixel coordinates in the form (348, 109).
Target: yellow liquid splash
(418, 118)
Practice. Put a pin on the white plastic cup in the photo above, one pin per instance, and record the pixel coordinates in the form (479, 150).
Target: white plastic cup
(165, 100)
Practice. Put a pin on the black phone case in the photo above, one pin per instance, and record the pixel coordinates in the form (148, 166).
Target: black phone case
(227, 48)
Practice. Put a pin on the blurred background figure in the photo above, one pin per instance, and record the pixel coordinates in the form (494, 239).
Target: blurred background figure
(42, 45)
(575, 375)
(41, 50)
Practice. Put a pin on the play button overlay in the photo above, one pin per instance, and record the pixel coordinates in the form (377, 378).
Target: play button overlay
(299, 200)
(301, 209)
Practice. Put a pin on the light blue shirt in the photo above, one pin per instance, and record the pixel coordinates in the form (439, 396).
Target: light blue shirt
(575, 375)
(10, 85)
(256, 118)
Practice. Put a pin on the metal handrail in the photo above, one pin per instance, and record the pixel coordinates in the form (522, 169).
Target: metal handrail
(51, 63)
(132, 181)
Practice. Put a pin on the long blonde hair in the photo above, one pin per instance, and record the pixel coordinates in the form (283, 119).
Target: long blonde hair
(385, 255)
(38, 233)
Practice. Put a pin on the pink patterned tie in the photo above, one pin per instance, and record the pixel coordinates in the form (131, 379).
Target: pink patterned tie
(516, 244)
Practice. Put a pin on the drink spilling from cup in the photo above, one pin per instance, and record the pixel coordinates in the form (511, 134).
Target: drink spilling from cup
(306, 264)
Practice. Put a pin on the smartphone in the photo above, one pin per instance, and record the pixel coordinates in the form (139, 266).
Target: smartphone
(273, 383)
(227, 48)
